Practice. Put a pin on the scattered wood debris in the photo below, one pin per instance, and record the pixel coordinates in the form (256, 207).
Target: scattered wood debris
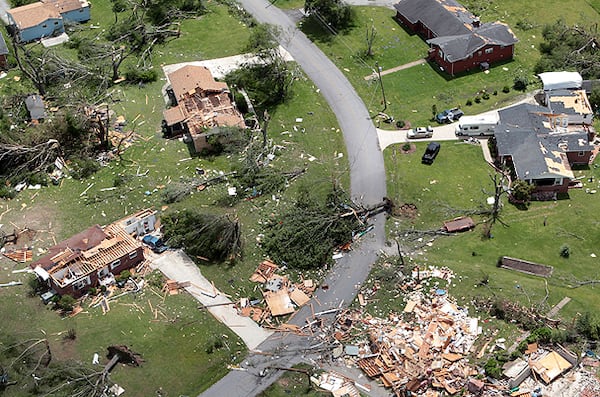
(21, 255)
(460, 224)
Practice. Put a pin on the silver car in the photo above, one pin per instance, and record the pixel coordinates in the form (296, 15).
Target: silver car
(420, 132)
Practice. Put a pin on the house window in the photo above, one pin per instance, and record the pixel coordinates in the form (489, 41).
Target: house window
(132, 254)
(489, 50)
(115, 264)
(441, 54)
(81, 284)
(581, 154)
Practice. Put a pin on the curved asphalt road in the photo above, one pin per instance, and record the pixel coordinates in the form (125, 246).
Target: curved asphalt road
(367, 184)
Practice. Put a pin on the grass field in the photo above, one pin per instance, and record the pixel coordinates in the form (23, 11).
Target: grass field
(174, 349)
(412, 92)
(460, 179)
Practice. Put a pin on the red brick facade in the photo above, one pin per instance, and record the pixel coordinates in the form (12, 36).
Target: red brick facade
(490, 54)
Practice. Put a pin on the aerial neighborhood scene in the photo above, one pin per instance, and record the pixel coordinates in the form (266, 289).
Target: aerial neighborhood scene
(299, 198)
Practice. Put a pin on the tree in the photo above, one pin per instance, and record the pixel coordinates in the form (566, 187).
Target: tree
(215, 237)
(570, 48)
(304, 235)
(334, 14)
(521, 191)
(595, 98)
(267, 82)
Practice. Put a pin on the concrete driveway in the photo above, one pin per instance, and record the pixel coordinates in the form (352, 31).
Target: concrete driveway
(176, 265)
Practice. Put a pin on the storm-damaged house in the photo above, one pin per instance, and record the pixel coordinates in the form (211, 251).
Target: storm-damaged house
(199, 105)
(458, 40)
(540, 147)
(88, 259)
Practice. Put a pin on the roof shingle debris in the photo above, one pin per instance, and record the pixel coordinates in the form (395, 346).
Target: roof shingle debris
(421, 350)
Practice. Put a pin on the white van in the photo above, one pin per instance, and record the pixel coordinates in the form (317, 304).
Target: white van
(481, 125)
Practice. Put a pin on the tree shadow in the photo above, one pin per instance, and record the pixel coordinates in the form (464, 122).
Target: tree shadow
(315, 31)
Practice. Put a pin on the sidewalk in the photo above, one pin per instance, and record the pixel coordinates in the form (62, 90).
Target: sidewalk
(176, 265)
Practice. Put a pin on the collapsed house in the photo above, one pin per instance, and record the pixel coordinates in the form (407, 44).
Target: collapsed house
(422, 349)
(88, 259)
(199, 106)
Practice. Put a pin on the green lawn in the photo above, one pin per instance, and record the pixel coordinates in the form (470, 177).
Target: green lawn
(57, 212)
(411, 93)
(181, 333)
(458, 179)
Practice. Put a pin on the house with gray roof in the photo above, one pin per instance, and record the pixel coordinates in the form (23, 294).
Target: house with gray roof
(540, 147)
(458, 41)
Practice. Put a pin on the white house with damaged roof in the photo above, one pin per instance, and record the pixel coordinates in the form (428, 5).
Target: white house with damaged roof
(458, 40)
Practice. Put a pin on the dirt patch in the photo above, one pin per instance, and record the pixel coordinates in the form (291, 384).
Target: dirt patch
(408, 148)
(407, 210)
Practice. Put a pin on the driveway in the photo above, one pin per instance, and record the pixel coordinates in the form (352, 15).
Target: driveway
(176, 265)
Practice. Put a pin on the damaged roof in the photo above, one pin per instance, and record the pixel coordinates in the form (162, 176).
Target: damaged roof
(188, 79)
(538, 146)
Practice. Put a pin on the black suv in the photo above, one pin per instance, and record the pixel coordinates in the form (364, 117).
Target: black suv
(430, 153)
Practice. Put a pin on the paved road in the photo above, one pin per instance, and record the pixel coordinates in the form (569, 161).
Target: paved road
(367, 184)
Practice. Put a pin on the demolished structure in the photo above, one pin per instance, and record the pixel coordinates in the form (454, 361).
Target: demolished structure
(200, 105)
(423, 348)
(88, 259)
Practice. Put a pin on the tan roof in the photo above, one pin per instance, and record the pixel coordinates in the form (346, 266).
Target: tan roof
(67, 5)
(189, 78)
(33, 14)
(174, 115)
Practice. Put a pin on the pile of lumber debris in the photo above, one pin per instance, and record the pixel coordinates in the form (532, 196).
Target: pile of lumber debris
(281, 297)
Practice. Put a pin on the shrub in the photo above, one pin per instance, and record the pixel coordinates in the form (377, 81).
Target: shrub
(35, 286)
(123, 276)
(406, 147)
(400, 123)
(506, 89)
(495, 92)
(133, 75)
(469, 102)
(83, 168)
(486, 96)
(66, 303)
(71, 334)
(520, 82)
(565, 251)
(477, 99)
(6, 191)
(493, 368)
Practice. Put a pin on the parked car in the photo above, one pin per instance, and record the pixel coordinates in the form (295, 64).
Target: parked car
(420, 132)
(155, 243)
(449, 115)
(430, 153)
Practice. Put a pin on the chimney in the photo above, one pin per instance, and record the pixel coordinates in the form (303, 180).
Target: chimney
(476, 22)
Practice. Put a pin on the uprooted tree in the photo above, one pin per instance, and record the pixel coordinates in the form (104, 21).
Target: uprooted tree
(568, 47)
(204, 235)
(305, 234)
(267, 82)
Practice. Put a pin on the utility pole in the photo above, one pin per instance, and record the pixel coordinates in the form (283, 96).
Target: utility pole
(381, 83)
